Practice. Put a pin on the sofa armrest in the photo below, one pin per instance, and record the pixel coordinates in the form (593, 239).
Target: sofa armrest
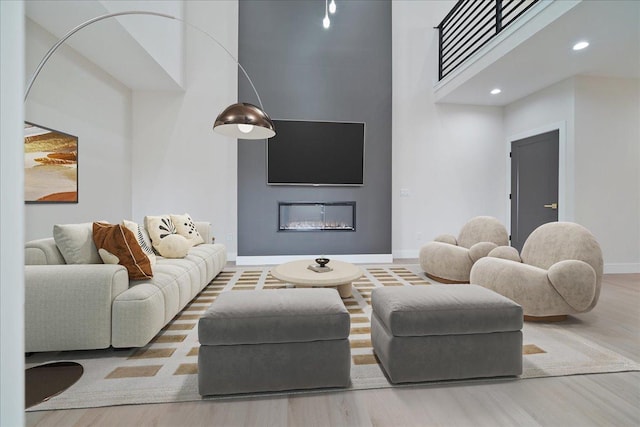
(575, 281)
(506, 252)
(204, 228)
(481, 250)
(68, 307)
(42, 252)
(446, 238)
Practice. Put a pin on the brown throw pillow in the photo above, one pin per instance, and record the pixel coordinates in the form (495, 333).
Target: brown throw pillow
(118, 245)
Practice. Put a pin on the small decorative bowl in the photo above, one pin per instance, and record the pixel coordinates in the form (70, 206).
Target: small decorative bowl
(322, 261)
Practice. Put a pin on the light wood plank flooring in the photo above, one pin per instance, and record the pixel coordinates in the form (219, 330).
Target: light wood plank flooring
(582, 400)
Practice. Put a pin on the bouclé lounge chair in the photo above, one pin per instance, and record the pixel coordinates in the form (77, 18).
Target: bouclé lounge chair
(449, 259)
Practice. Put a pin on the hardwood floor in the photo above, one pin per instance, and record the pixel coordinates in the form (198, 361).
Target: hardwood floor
(581, 400)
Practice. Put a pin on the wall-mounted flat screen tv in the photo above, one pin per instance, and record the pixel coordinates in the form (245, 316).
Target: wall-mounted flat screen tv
(316, 153)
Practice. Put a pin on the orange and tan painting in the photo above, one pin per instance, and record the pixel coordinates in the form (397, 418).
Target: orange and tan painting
(50, 165)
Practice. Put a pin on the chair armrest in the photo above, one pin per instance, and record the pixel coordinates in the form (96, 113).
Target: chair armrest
(575, 281)
(68, 307)
(525, 284)
(506, 252)
(481, 250)
(446, 238)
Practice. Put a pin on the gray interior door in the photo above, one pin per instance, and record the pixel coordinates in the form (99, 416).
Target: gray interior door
(534, 184)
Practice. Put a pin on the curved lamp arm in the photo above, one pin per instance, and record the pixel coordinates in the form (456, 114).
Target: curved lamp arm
(240, 120)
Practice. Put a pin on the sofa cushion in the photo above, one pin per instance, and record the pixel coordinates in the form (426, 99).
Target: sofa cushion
(186, 272)
(187, 228)
(117, 245)
(143, 239)
(195, 267)
(75, 242)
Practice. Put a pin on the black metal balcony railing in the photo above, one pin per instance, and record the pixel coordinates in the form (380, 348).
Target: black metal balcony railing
(470, 25)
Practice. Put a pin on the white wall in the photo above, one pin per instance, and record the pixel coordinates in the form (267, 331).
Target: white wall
(179, 163)
(602, 157)
(74, 96)
(607, 150)
(161, 38)
(450, 158)
(11, 214)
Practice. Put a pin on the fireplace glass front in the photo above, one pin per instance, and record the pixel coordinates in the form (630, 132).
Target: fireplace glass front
(317, 216)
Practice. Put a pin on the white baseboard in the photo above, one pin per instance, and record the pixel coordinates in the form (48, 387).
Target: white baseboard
(406, 253)
(280, 259)
(622, 268)
(611, 268)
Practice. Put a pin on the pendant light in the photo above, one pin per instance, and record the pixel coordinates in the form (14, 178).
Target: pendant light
(326, 22)
(332, 7)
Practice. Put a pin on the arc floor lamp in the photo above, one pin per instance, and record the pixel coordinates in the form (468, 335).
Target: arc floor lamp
(241, 120)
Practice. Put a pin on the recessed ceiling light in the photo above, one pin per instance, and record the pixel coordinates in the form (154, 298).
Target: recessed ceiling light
(580, 45)
(495, 91)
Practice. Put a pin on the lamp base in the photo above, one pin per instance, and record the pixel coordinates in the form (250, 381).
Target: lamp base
(48, 380)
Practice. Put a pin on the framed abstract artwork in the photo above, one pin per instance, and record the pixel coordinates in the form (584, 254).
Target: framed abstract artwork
(50, 165)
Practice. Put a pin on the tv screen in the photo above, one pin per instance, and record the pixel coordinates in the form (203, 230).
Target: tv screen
(316, 153)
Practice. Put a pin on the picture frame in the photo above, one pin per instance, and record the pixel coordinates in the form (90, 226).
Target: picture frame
(50, 165)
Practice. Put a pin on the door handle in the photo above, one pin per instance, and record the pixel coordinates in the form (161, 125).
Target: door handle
(552, 206)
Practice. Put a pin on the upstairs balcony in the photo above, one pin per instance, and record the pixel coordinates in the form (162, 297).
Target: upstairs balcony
(523, 46)
(470, 25)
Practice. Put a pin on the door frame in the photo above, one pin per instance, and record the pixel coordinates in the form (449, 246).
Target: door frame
(565, 170)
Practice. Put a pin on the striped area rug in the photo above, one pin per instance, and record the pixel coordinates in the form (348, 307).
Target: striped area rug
(166, 344)
(166, 369)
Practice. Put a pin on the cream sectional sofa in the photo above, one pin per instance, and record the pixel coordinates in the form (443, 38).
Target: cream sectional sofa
(93, 306)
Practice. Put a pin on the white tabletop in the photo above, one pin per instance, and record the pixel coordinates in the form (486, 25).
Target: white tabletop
(297, 273)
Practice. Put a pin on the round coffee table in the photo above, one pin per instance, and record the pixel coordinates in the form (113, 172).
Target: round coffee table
(297, 274)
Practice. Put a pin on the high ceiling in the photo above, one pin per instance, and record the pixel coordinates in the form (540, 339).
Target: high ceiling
(533, 57)
(110, 44)
(544, 55)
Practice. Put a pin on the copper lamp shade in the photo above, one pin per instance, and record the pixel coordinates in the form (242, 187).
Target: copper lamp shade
(244, 121)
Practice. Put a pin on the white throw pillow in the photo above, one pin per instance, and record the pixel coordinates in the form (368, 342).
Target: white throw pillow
(174, 246)
(143, 239)
(187, 228)
(161, 229)
(75, 242)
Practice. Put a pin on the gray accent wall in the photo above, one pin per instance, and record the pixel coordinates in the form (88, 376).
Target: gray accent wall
(304, 72)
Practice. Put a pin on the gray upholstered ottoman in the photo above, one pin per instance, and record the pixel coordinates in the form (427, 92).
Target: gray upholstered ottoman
(270, 340)
(444, 332)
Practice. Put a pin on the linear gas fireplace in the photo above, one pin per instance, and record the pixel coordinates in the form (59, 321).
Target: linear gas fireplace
(316, 216)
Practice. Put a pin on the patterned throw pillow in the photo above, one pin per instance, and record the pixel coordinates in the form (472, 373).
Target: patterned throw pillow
(187, 228)
(143, 239)
(118, 245)
(164, 238)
